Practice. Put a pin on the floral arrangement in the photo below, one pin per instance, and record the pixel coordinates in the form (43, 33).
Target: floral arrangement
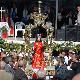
(9, 46)
(63, 46)
(3, 29)
(54, 46)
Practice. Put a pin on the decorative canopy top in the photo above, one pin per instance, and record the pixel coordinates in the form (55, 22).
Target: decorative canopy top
(39, 2)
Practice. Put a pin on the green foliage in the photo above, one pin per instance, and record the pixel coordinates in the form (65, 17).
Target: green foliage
(46, 46)
(2, 43)
(54, 46)
(63, 46)
(14, 46)
(9, 46)
(77, 47)
(3, 29)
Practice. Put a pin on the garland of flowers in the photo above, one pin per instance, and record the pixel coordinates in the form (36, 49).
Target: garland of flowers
(4, 29)
(10, 46)
(54, 46)
(62, 46)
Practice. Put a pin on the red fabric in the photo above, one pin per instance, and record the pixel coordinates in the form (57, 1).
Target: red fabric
(38, 58)
(11, 31)
(3, 19)
(34, 75)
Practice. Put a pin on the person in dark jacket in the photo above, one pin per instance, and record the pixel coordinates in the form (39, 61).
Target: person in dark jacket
(9, 65)
(20, 71)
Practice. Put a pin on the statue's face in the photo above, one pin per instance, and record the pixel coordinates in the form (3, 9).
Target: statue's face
(38, 38)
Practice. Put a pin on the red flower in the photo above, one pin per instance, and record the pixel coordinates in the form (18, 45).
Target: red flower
(34, 75)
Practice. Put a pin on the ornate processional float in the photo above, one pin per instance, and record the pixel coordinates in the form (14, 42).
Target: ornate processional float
(39, 19)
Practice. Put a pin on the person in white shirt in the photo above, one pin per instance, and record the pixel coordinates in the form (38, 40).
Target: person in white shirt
(3, 74)
(25, 12)
(78, 15)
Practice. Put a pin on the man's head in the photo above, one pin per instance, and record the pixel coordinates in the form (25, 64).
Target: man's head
(71, 53)
(22, 63)
(9, 60)
(2, 65)
(78, 7)
(2, 55)
(76, 77)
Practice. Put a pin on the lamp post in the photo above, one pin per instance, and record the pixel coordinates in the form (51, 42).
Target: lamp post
(56, 19)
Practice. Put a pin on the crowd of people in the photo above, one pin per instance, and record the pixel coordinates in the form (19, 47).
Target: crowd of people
(68, 65)
(13, 65)
(66, 16)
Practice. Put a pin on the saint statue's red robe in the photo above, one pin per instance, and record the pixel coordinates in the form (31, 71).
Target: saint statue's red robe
(38, 61)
